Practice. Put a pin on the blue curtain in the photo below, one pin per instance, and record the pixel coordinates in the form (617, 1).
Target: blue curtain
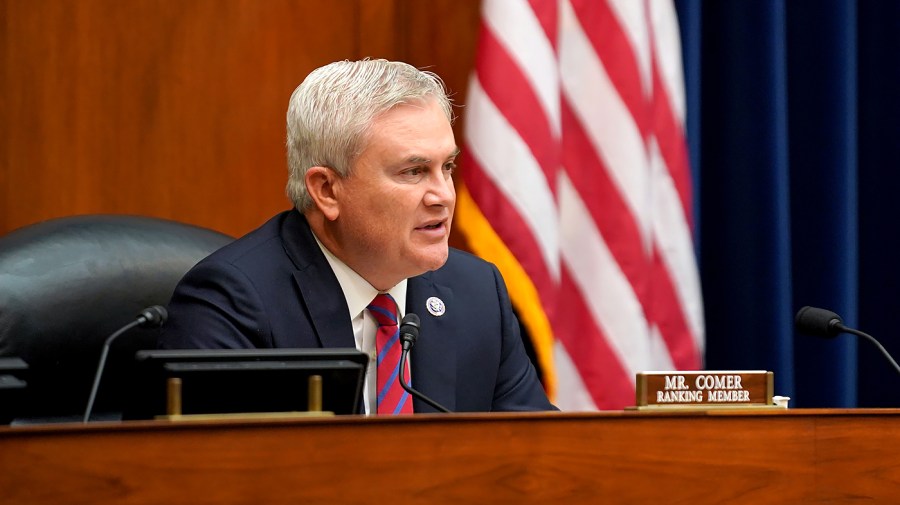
(793, 113)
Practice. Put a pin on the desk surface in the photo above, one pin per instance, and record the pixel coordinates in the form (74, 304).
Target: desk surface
(719, 456)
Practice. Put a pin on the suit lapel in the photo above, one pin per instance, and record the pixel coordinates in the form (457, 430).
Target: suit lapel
(319, 288)
(434, 356)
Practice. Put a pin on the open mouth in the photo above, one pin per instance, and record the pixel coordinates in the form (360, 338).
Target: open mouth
(435, 227)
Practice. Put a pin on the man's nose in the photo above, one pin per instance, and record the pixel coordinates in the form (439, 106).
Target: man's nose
(440, 190)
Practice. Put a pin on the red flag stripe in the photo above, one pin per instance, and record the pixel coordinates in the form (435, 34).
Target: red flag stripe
(607, 293)
(604, 202)
(670, 137)
(518, 29)
(508, 89)
(605, 120)
(667, 313)
(515, 233)
(608, 383)
(508, 161)
(546, 15)
(614, 49)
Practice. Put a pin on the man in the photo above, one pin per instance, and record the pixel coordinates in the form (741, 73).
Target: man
(371, 155)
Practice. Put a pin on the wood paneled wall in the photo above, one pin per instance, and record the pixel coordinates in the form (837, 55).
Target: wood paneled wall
(176, 108)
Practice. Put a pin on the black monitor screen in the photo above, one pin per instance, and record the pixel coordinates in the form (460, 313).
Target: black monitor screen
(227, 381)
(12, 387)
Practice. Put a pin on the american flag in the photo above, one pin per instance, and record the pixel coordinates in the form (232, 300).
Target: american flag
(576, 183)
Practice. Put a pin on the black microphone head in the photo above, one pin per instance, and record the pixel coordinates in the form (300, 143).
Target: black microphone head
(153, 316)
(818, 322)
(409, 329)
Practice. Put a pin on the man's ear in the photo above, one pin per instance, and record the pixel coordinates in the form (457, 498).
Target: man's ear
(321, 183)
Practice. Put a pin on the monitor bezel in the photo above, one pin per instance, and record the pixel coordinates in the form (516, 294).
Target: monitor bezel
(343, 371)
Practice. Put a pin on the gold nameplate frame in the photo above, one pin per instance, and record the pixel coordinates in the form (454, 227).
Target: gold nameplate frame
(704, 389)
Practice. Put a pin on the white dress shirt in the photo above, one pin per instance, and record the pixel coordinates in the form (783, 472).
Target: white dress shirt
(359, 294)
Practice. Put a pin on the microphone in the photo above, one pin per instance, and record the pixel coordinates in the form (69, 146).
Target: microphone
(818, 322)
(409, 332)
(151, 317)
(825, 323)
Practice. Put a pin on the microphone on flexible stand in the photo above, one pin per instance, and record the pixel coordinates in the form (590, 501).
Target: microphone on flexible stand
(151, 317)
(409, 332)
(825, 323)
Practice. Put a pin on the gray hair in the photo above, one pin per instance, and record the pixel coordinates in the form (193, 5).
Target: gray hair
(331, 110)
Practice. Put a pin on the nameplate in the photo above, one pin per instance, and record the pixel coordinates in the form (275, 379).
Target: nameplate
(704, 388)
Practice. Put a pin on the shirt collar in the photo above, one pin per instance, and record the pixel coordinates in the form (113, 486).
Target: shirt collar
(357, 291)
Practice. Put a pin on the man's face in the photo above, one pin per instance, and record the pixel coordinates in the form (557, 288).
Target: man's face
(396, 207)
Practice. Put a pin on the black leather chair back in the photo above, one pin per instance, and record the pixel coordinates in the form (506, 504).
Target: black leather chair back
(67, 284)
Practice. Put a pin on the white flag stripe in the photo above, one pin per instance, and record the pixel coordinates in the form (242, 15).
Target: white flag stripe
(667, 49)
(605, 119)
(577, 397)
(633, 20)
(508, 161)
(515, 26)
(672, 236)
(615, 308)
(659, 352)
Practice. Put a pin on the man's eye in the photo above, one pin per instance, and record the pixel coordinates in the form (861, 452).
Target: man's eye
(414, 171)
(450, 167)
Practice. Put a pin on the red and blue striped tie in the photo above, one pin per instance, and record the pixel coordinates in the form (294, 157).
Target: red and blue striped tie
(392, 398)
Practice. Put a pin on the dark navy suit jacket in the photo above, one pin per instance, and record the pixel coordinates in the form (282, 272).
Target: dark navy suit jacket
(274, 288)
